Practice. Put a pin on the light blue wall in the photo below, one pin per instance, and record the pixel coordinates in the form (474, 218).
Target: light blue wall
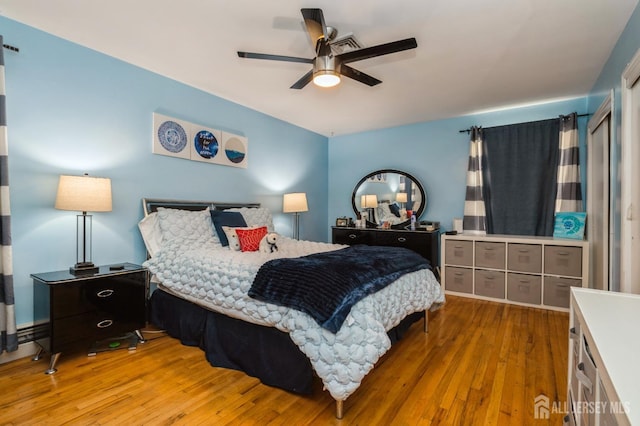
(608, 81)
(72, 110)
(435, 153)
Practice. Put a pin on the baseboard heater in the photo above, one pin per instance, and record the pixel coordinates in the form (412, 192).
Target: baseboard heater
(32, 333)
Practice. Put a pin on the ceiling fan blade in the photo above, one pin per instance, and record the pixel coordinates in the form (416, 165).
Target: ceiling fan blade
(379, 50)
(353, 73)
(314, 21)
(306, 79)
(274, 57)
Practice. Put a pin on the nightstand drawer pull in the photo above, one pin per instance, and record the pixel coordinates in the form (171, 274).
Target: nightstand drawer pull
(104, 323)
(104, 293)
(353, 236)
(402, 239)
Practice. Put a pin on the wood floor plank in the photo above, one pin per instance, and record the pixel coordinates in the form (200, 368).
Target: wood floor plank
(481, 363)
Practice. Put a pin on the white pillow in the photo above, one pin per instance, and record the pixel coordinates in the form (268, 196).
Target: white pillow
(256, 217)
(151, 233)
(186, 226)
(234, 242)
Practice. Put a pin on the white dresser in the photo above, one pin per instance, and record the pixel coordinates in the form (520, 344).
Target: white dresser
(604, 358)
(524, 270)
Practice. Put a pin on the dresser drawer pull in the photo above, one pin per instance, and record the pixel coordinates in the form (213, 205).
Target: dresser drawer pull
(487, 248)
(458, 274)
(523, 250)
(353, 236)
(563, 253)
(458, 247)
(104, 323)
(572, 333)
(582, 378)
(104, 293)
(402, 239)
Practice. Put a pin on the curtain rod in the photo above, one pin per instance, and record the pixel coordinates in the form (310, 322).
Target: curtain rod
(469, 130)
(8, 46)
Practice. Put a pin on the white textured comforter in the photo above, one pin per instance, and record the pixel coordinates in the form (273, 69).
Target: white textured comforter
(218, 278)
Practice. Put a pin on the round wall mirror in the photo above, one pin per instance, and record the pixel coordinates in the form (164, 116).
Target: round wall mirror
(388, 196)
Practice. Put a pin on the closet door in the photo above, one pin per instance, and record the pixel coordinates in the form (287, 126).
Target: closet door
(630, 178)
(599, 205)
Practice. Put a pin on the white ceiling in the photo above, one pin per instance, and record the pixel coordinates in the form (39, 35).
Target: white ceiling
(472, 55)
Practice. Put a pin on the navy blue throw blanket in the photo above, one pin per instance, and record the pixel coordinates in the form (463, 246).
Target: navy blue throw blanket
(327, 285)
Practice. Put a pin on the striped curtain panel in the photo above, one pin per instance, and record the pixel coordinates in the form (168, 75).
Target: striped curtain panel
(8, 334)
(569, 194)
(475, 221)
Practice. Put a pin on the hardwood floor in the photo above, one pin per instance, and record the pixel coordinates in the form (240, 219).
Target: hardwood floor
(482, 363)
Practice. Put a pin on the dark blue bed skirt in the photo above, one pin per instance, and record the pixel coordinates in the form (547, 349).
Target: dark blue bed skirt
(262, 352)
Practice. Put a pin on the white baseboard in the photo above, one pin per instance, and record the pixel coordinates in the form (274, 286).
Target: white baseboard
(24, 350)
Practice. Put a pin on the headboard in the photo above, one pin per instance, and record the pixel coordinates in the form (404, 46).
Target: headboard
(150, 205)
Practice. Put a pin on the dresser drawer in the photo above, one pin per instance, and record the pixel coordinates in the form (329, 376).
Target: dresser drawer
(352, 236)
(459, 279)
(524, 288)
(557, 291)
(524, 257)
(562, 260)
(458, 253)
(113, 294)
(408, 240)
(489, 283)
(490, 255)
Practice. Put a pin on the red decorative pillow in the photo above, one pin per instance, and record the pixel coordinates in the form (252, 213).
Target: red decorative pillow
(250, 237)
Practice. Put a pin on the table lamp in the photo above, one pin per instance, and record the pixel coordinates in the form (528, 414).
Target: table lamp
(85, 194)
(295, 203)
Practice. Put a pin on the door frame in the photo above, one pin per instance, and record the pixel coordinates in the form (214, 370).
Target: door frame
(629, 178)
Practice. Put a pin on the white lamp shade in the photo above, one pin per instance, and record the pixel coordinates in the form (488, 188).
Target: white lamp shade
(84, 193)
(295, 202)
(401, 197)
(369, 201)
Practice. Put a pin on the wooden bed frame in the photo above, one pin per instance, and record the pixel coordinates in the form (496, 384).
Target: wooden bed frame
(151, 205)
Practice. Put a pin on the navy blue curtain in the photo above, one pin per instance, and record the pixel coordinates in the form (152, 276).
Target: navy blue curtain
(520, 177)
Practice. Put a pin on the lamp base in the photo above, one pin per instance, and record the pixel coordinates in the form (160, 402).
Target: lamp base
(84, 268)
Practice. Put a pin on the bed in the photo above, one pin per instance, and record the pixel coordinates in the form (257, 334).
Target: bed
(202, 298)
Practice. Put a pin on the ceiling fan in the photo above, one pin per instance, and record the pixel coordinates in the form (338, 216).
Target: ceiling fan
(328, 67)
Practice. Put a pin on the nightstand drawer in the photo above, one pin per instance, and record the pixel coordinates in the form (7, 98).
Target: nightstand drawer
(459, 279)
(524, 258)
(561, 260)
(524, 288)
(489, 283)
(490, 255)
(88, 327)
(459, 253)
(109, 295)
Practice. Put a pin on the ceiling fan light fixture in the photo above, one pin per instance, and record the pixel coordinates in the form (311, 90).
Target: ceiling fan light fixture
(326, 78)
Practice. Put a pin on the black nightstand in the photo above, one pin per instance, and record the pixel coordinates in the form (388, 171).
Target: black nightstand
(84, 309)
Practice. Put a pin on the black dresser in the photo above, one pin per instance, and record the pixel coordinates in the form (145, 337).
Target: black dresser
(425, 243)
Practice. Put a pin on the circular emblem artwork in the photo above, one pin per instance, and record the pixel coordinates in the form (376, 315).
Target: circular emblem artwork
(206, 144)
(571, 224)
(234, 148)
(172, 136)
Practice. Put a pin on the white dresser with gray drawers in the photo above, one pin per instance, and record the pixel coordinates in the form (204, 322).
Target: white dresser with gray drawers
(531, 271)
(604, 343)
